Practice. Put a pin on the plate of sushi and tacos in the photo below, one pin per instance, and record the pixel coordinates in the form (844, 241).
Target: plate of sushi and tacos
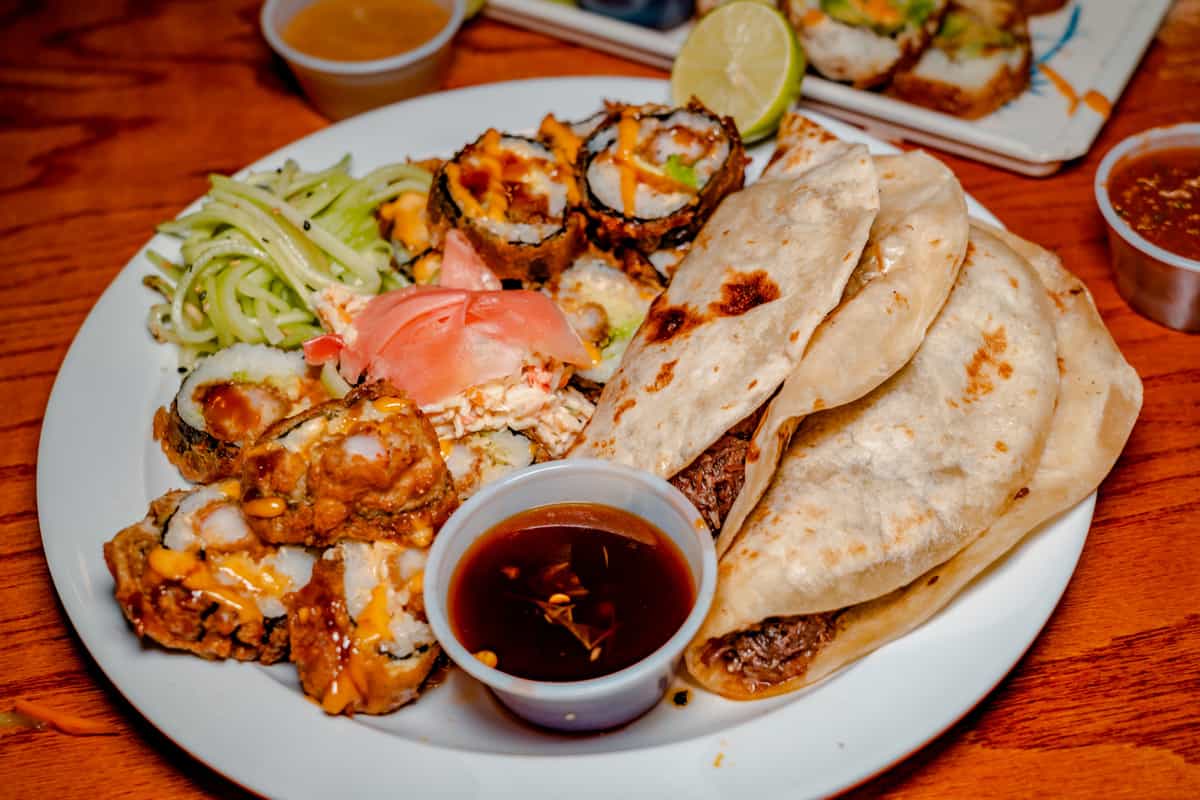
(1023, 84)
(887, 416)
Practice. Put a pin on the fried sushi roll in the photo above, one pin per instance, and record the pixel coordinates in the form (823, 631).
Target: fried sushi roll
(653, 176)
(192, 576)
(229, 399)
(605, 298)
(513, 198)
(360, 639)
(979, 60)
(365, 467)
(864, 42)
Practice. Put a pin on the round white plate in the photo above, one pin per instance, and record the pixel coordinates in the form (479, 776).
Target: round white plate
(98, 468)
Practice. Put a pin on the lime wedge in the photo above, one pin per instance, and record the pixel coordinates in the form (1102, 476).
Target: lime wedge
(742, 60)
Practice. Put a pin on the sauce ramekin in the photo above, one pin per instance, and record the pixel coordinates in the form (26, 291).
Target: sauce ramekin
(1157, 283)
(340, 89)
(596, 703)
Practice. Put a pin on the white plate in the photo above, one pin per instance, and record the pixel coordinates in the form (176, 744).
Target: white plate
(1088, 46)
(98, 468)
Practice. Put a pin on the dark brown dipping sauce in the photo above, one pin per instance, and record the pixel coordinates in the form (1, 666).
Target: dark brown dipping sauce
(569, 592)
(1158, 195)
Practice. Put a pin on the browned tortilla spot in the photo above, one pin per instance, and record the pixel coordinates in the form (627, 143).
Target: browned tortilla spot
(1013, 282)
(665, 374)
(743, 291)
(1005, 369)
(978, 382)
(752, 384)
(1024, 490)
(1062, 367)
(818, 404)
(1002, 447)
(933, 580)
(1058, 303)
(622, 408)
(752, 453)
(1076, 290)
(664, 322)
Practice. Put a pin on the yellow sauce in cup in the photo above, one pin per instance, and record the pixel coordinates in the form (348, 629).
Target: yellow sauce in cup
(364, 30)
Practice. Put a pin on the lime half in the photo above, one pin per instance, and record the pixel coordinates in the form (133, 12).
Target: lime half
(742, 60)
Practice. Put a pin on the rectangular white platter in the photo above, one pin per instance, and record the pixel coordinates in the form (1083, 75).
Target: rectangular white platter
(1083, 57)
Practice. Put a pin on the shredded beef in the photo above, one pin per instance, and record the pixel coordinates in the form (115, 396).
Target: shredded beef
(775, 650)
(713, 481)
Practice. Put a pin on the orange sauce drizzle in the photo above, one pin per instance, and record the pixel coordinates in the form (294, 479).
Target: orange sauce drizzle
(627, 132)
(1064, 88)
(1098, 103)
(195, 574)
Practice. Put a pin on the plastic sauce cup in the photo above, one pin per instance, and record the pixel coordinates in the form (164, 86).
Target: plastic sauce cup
(596, 703)
(341, 89)
(1157, 283)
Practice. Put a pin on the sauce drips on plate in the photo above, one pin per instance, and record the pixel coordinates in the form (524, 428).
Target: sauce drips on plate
(569, 592)
(1158, 195)
(364, 30)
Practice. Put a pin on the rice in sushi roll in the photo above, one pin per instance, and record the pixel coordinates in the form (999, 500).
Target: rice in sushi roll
(864, 42)
(978, 61)
(229, 399)
(360, 639)
(513, 198)
(652, 175)
(193, 576)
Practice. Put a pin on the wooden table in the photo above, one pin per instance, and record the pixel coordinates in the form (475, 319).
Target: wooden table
(113, 113)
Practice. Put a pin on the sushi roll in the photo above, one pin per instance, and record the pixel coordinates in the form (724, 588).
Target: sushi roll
(605, 301)
(513, 198)
(229, 399)
(192, 576)
(478, 459)
(864, 42)
(365, 467)
(979, 60)
(565, 138)
(360, 639)
(652, 176)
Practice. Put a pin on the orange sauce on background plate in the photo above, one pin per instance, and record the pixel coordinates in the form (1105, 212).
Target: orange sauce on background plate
(364, 30)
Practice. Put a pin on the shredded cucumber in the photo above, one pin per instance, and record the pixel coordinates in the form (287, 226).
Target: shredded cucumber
(259, 248)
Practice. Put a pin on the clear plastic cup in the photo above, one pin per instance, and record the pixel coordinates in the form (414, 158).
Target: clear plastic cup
(340, 89)
(597, 703)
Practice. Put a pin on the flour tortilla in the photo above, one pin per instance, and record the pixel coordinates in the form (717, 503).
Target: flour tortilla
(768, 266)
(1099, 398)
(872, 495)
(913, 255)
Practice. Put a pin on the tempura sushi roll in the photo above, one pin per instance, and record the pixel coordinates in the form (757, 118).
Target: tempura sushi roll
(192, 576)
(653, 176)
(360, 639)
(605, 304)
(979, 60)
(365, 467)
(513, 198)
(864, 42)
(229, 399)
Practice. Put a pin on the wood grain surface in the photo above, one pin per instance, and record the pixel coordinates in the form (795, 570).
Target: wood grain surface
(111, 115)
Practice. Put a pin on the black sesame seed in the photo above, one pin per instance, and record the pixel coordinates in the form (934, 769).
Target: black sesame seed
(680, 698)
(307, 225)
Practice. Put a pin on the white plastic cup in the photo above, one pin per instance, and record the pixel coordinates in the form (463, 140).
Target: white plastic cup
(597, 703)
(340, 89)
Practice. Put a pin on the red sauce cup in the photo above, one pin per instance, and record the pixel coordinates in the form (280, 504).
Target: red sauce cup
(1157, 283)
